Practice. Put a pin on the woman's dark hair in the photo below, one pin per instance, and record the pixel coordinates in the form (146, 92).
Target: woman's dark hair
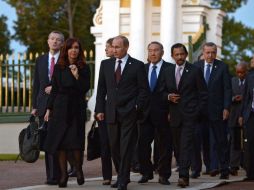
(63, 59)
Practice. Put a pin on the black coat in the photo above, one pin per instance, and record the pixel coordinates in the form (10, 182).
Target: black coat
(41, 81)
(67, 103)
(235, 108)
(193, 94)
(219, 89)
(130, 94)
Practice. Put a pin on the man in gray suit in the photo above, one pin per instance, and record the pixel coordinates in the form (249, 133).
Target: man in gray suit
(238, 84)
(41, 89)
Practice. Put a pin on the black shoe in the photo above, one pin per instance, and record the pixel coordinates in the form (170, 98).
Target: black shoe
(224, 176)
(214, 173)
(183, 182)
(135, 169)
(114, 185)
(122, 187)
(80, 177)
(195, 175)
(63, 182)
(51, 182)
(145, 178)
(163, 181)
(233, 172)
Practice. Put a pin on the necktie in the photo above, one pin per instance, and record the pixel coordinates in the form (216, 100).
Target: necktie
(178, 75)
(153, 78)
(118, 71)
(52, 64)
(241, 86)
(207, 73)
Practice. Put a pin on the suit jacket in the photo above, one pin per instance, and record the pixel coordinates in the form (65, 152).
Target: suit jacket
(130, 94)
(193, 94)
(219, 89)
(40, 82)
(157, 109)
(246, 107)
(235, 108)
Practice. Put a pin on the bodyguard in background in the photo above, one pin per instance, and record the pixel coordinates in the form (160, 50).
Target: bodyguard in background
(41, 90)
(186, 93)
(236, 131)
(218, 81)
(156, 124)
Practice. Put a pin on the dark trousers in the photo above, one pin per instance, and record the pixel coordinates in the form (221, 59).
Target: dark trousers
(51, 162)
(186, 147)
(176, 136)
(201, 145)
(219, 135)
(249, 150)
(122, 137)
(105, 151)
(164, 144)
(236, 133)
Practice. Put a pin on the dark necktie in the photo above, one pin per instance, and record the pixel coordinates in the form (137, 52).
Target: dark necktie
(153, 78)
(118, 71)
(178, 76)
(207, 73)
(51, 69)
(241, 86)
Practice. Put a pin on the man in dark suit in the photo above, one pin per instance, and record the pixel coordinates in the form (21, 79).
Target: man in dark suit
(247, 119)
(156, 120)
(41, 90)
(121, 96)
(218, 81)
(236, 132)
(186, 92)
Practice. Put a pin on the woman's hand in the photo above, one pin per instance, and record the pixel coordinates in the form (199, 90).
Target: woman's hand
(74, 71)
(46, 116)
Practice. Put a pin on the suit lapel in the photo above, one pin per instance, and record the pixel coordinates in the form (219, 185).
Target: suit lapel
(214, 71)
(127, 65)
(46, 68)
(184, 74)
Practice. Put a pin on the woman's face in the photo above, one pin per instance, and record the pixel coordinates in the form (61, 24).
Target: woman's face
(73, 52)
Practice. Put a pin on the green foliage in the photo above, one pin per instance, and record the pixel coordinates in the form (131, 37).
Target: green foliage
(228, 5)
(37, 18)
(4, 36)
(237, 42)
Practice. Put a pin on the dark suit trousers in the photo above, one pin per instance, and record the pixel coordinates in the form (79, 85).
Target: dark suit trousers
(122, 138)
(51, 161)
(219, 135)
(176, 136)
(105, 151)
(164, 144)
(235, 147)
(201, 144)
(186, 147)
(249, 153)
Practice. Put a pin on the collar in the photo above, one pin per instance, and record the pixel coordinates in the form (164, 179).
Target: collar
(123, 59)
(208, 63)
(182, 66)
(56, 56)
(158, 64)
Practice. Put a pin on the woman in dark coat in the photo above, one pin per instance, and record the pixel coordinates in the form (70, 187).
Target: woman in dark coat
(66, 108)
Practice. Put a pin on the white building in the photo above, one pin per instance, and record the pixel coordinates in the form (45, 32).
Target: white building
(143, 21)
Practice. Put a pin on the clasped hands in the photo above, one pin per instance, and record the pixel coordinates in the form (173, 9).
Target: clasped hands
(174, 97)
(74, 71)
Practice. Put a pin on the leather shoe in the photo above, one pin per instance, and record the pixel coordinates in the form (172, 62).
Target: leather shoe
(183, 182)
(214, 173)
(233, 172)
(145, 178)
(51, 182)
(195, 175)
(163, 181)
(122, 187)
(114, 185)
(224, 176)
(106, 182)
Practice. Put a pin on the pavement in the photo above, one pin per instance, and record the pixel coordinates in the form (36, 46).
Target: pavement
(9, 144)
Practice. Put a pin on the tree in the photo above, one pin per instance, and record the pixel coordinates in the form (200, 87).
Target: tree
(4, 36)
(237, 39)
(37, 18)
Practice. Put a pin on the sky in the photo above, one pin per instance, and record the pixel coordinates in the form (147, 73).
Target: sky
(243, 14)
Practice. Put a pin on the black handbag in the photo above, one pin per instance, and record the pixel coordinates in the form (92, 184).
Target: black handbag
(93, 143)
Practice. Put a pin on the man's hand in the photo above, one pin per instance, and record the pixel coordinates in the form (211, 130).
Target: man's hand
(225, 114)
(34, 112)
(100, 116)
(48, 89)
(46, 116)
(240, 121)
(173, 97)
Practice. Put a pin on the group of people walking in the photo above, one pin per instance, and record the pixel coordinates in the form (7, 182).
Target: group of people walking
(184, 108)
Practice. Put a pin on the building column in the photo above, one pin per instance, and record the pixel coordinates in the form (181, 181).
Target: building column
(168, 26)
(137, 29)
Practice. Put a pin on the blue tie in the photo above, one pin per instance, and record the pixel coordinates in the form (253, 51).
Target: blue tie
(207, 73)
(153, 78)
